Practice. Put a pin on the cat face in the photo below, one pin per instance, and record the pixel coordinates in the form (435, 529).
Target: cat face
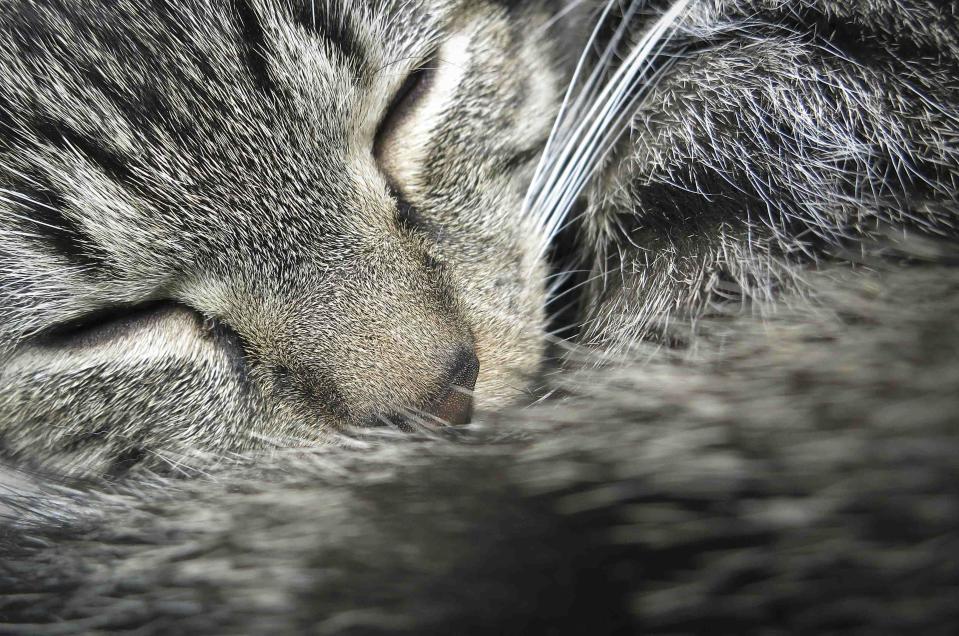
(224, 224)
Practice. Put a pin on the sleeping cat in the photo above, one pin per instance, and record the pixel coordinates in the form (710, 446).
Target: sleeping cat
(303, 220)
(262, 260)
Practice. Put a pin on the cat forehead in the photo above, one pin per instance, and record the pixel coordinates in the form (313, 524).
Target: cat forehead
(364, 41)
(249, 110)
(163, 56)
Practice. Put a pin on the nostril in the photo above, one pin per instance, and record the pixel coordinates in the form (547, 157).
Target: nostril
(455, 405)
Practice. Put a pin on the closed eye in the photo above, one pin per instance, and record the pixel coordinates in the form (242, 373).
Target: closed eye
(403, 106)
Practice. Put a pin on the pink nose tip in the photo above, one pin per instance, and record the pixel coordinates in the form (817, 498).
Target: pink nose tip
(455, 406)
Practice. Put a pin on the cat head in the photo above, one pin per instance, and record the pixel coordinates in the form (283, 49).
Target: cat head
(231, 223)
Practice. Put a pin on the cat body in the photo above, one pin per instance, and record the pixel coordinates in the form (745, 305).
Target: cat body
(254, 252)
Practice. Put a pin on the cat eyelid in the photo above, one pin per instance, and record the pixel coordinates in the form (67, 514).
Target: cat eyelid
(403, 104)
(402, 146)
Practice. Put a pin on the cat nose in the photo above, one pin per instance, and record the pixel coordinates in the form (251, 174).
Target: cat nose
(455, 404)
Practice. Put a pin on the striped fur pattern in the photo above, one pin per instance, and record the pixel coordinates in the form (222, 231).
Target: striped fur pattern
(712, 287)
(239, 239)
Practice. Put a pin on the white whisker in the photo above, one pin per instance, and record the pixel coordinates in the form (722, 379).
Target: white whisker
(584, 139)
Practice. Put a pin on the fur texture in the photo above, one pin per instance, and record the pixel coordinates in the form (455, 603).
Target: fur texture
(277, 251)
(749, 209)
(800, 478)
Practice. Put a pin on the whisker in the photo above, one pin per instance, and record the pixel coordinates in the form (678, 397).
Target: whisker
(577, 166)
(561, 117)
(562, 13)
(561, 177)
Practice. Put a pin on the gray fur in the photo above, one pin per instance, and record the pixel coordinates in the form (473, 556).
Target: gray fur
(752, 431)
(234, 175)
(815, 137)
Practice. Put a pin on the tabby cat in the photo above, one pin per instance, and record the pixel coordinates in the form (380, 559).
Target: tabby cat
(458, 316)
